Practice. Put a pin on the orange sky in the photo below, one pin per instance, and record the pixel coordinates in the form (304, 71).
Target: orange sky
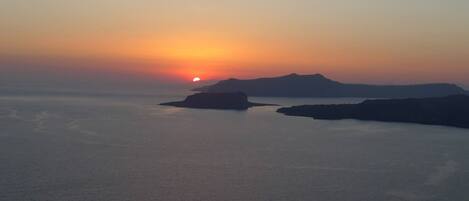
(356, 41)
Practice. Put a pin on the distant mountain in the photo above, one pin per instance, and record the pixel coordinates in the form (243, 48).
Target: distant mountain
(317, 85)
(222, 101)
(449, 111)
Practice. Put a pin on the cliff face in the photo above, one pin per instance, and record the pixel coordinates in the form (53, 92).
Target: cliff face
(449, 111)
(317, 85)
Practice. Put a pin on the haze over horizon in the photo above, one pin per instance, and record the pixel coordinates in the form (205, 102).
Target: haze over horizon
(124, 100)
(362, 41)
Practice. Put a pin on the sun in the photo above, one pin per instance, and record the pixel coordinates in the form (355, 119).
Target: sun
(196, 79)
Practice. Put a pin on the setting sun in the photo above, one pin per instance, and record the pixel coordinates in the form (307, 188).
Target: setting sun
(196, 79)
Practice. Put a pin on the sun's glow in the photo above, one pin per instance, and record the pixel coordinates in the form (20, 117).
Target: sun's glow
(196, 79)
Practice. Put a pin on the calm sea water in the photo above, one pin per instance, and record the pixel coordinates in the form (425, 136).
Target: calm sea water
(126, 148)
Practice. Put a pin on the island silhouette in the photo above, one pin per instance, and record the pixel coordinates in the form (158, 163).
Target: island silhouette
(317, 85)
(447, 111)
(222, 101)
(434, 104)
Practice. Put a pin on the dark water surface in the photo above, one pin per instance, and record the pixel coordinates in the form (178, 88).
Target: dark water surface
(119, 148)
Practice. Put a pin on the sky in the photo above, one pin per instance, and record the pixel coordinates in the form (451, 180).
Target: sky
(367, 41)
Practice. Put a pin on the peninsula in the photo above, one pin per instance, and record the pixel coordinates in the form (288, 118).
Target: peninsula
(448, 111)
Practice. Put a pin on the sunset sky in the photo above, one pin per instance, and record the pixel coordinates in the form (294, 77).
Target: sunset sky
(373, 41)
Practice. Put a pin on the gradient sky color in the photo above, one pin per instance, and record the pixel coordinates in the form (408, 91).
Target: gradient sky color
(375, 41)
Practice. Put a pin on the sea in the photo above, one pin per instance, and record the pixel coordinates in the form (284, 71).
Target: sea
(126, 147)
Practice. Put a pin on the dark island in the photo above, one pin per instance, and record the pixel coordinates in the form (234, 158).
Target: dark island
(448, 111)
(317, 85)
(223, 101)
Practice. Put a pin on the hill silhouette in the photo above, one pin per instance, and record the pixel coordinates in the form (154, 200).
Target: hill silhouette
(225, 101)
(317, 85)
